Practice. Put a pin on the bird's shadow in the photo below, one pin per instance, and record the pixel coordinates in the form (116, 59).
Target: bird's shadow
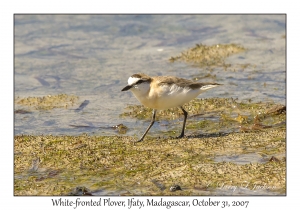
(206, 135)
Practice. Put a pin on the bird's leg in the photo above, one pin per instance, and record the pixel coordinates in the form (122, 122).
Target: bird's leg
(184, 121)
(152, 122)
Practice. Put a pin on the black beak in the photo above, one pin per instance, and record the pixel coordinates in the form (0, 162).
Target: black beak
(127, 88)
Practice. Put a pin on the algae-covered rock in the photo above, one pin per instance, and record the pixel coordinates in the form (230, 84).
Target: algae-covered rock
(48, 102)
(219, 114)
(203, 55)
(118, 164)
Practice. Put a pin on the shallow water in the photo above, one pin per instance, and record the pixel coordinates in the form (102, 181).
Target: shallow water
(246, 158)
(92, 56)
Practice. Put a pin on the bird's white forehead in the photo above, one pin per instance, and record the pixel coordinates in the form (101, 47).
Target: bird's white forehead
(133, 80)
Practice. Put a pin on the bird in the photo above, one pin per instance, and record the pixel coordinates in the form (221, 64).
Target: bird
(164, 92)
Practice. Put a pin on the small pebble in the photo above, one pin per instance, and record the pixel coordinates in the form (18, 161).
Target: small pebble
(175, 188)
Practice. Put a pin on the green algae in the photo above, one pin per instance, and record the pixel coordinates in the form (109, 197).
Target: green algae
(121, 129)
(203, 55)
(48, 102)
(119, 164)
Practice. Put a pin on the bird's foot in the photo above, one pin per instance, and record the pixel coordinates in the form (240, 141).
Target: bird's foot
(180, 136)
(140, 140)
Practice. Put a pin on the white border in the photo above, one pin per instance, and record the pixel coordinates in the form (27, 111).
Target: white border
(154, 6)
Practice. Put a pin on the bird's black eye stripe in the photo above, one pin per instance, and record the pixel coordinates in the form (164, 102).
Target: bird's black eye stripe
(139, 82)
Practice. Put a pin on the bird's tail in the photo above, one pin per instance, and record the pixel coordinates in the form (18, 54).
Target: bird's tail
(207, 86)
